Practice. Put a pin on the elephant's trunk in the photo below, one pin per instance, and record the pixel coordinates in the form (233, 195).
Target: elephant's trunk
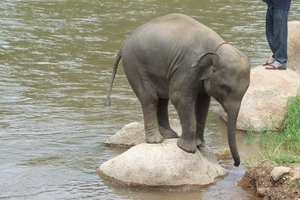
(232, 114)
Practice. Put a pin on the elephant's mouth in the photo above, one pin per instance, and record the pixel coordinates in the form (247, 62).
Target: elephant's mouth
(220, 101)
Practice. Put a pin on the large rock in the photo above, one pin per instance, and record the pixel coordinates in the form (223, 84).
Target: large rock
(264, 104)
(294, 46)
(162, 165)
(134, 133)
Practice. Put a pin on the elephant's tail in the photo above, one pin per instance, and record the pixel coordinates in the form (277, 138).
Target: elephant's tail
(115, 67)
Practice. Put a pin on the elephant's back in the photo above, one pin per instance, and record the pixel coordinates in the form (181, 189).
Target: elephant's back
(170, 32)
(168, 27)
(174, 20)
(167, 43)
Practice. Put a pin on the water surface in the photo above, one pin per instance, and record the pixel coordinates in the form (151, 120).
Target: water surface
(55, 64)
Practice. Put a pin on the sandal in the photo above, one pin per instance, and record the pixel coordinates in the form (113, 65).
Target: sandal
(274, 67)
(268, 62)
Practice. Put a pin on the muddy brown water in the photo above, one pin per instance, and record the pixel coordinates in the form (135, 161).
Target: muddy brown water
(55, 64)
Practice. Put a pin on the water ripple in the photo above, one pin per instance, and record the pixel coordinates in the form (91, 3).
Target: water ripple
(55, 65)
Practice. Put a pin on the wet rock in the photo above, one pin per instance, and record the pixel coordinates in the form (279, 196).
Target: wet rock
(223, 154)
(129, 135)
(162, 165)
(294, 46)
(133, 134)
(264, 103)
(278, 172)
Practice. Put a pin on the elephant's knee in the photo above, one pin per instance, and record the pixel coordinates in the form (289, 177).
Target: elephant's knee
(175, 99)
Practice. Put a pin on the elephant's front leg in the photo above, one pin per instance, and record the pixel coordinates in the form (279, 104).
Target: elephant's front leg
(202, 105)
(185, 105)
(163, 120)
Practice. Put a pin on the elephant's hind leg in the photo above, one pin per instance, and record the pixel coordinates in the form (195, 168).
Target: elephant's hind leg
(150, 122)
(163, 120)
(146, 92)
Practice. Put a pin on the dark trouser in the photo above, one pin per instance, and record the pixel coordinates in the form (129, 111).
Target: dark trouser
(277, 33)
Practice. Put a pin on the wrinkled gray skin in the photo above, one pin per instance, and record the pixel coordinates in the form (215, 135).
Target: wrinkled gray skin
(176, 58)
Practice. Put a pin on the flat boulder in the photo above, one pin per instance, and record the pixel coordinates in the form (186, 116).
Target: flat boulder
(162, 166)
(264, 104)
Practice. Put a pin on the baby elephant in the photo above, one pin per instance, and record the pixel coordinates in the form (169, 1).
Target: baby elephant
(174, 57)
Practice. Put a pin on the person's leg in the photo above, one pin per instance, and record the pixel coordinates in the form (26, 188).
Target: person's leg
(280, 34)
(269, 32)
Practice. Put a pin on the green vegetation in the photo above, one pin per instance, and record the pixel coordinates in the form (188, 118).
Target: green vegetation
(282, 146)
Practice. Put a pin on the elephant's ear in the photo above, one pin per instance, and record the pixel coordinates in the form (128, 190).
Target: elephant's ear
(204, 64)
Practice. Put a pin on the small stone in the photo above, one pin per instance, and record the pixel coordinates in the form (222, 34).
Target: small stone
(278, 172)
(261, 192)
(223, 154)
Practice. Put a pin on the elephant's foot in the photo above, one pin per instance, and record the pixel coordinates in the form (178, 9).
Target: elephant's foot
(154, 138)
(167, 134)
(200, 143)
(186, 145)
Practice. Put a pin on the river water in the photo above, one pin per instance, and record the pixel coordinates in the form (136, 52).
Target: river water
(55, 64)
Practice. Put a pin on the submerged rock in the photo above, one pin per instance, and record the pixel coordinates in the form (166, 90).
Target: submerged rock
(162, 165)
(223, 154)
(129, 135)
(134, 133)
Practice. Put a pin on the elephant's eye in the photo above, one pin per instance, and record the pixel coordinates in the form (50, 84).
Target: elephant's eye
(226, 88)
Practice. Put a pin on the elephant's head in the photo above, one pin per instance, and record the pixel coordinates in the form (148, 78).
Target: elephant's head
(226, 77)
